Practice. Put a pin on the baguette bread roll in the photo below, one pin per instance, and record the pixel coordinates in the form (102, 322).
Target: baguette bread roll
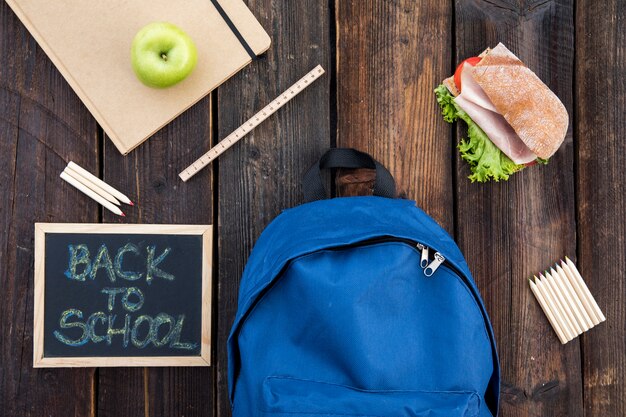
(451, 86)
(527, 104)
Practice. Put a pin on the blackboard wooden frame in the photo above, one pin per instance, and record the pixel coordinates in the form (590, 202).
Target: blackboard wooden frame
(41, 229)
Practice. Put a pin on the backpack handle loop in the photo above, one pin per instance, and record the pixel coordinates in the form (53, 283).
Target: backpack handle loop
(313, 187)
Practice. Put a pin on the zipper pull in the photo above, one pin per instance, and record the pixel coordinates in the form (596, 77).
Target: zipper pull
(432, 267)
(424, 259)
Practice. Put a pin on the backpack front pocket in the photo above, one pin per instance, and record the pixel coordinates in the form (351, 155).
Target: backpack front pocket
(284, 396)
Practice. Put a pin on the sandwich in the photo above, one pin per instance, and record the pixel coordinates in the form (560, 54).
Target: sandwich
(513, 119)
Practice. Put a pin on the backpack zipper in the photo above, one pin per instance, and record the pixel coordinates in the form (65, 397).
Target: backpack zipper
(434, 265)
(429, 267)
(424, 258)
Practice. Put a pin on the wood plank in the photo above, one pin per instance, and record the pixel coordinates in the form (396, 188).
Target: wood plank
(511, 230)
(601, 152)
(390, 57)
(121, 392)
(149, 176)
(261, 175)
(42, 125)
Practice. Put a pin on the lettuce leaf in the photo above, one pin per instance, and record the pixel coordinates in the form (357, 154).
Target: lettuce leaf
(446, 102)
(486, 161)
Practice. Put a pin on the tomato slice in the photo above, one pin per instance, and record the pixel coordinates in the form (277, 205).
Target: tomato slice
(457, 74)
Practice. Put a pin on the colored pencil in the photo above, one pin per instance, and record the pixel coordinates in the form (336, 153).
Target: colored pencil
(85, 190)
(115, 193)
(579, 278)
(574, 296)
(546, 309)
(91, 185)
(582, 294)
(566, 300)
(560, 305)
(541, 286)
(564, 293)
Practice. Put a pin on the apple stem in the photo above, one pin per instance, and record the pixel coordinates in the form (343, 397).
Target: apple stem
(164, 56)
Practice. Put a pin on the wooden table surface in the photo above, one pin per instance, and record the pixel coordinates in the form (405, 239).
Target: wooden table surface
(383, 59)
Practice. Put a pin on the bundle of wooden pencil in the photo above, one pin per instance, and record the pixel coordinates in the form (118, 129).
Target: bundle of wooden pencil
(94, 187)
(566, 300)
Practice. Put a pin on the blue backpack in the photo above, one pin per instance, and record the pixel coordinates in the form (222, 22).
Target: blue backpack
(360, 306)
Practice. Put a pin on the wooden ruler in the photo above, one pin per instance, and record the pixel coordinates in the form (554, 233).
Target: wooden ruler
(251, 123)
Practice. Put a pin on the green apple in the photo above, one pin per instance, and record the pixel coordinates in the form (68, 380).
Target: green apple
(162, 55)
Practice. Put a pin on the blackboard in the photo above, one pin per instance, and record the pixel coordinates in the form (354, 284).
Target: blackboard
(122, 295)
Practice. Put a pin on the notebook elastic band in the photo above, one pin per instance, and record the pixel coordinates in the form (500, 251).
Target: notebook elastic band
(234, 29)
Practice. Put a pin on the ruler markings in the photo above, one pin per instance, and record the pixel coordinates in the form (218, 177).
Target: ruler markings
(251, 123)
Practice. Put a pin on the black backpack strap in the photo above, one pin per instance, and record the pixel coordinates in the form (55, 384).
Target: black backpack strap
(313, 186)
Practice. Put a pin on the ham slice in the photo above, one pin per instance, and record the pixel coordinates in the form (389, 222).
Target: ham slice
(475, 102)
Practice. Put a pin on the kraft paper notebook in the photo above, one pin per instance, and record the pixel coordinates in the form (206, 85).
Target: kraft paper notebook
(89, 42)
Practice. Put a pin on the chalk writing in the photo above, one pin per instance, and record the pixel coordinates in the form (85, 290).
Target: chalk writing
(126, 303)
(91, 326)
(131, 328)
(129, 276)
(133, 306)
(102, 261)
(112, 292)
(133, 331)
(65, 316)
(152, 263)
(79, 255)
